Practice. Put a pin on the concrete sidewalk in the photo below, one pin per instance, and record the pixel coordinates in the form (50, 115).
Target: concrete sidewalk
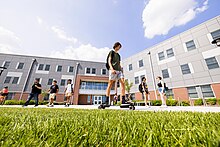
(137, 108)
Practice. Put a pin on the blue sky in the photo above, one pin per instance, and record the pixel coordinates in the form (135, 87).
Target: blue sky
(87, 29)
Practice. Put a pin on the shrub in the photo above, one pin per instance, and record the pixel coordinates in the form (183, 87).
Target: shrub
(156, 102)
(198, 102)
(11, 102)
(171, 102)
(185, 103)
(218, 101)
(211, 101)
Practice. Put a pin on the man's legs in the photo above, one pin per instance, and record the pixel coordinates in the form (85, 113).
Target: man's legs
(121, 80)
(110, 83)
(31, 95)
(36, 99)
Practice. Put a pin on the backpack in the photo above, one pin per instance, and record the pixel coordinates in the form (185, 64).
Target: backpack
(165, 87)
(112, 56)
(140, 88)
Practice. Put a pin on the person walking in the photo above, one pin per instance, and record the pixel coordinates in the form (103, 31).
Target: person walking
(161, 90)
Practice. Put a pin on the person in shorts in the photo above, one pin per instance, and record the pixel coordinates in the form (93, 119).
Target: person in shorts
(145, 91)
(115, 72)
(54, 89)
(161, 90)
(4, 94)
(68, 92)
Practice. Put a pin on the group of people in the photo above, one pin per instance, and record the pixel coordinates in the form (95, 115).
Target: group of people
(113, 64)
(54, 89)
(116, 74)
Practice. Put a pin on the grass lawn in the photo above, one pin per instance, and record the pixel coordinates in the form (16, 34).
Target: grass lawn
(72, 127)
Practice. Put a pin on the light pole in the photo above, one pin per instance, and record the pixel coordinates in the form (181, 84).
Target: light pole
(216, 42)
(152, 74)
(2, 69)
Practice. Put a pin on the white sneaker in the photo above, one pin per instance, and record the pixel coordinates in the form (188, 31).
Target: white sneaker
(163, 106)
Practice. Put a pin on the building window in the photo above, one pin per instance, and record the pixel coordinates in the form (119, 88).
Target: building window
(87, 70)
(88, 99)
(130, 67)
(190, 45)
(161, 56)
(59, 68)
(7, 80)
(20, 66)
(104, 72)
(141, 63)
(215, 34)
(47, 67)
(50, 81)
(93, 71)
(212, 63)
(207, 91)
(6, 64)
(136, 80)
(94, 85)
(192, 92)
(63, 82)
(70, 69)
(15, 80)
(41, 67)
(165, 73)
(170, 53)
(185, 69)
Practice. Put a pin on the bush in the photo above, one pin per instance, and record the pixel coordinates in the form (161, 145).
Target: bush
(211, 101)
(156, 102)
(218, 101)
(11, 102)
(32, 102)
(171, 102)
(185, 103)
(198, 102)
(118, 104)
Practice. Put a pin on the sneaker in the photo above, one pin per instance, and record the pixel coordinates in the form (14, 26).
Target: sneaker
(24, 105)
(51, 105)
(35, 105)
(163, 106)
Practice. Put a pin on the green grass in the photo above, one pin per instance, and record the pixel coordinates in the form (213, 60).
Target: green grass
(72, 127)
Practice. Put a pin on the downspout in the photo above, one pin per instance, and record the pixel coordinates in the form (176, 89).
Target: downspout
(27, 78)
(152, 74)
(75, 75)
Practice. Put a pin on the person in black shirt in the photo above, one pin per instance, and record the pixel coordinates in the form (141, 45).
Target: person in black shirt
(35, 91)
(145, 91)
(53, 91)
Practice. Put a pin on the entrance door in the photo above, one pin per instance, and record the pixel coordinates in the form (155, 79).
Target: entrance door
(97, 100)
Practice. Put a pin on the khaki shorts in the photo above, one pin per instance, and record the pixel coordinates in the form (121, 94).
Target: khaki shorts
(118, 75)
(68, 94)
(52, 95)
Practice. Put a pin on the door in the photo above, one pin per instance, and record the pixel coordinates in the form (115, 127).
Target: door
(97, 100)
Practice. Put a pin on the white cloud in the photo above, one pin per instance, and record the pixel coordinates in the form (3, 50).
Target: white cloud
(160, 16)
(39, 20)
(78, 51)
(63, 35)
(9, 42)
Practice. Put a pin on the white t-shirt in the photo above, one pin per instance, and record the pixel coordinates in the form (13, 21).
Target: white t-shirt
(69, 88)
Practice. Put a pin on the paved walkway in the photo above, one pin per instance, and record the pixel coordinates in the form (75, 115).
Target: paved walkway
(137, 108)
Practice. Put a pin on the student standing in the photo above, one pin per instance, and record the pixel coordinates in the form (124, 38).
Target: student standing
(161, 90)
(4, 94)
(115, 71)
(54, 89)
(144, 90)
(35, 91)
(68, 92)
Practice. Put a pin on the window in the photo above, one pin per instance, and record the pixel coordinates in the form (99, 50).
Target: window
(93, 71)
(47, 67)
(192, 92)
(141, 63)
(170, 53)
(41, 67)
(63, 82)
(212, 63)
(207, 91)
(185, 69)
(59, 68)
(136, 80)
(88, 99)
(87, 70)
(50, 81)
(104, 72)
(7, 80)
(161, 56)
(190, 45)
(215, 34)
(20, 66)
(169, 94)
(6, 64)
(142, 76)
(130, 67)
(70, 69)
(165, 73)
(15, 80)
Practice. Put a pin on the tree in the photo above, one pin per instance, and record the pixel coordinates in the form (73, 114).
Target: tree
(128, 86)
